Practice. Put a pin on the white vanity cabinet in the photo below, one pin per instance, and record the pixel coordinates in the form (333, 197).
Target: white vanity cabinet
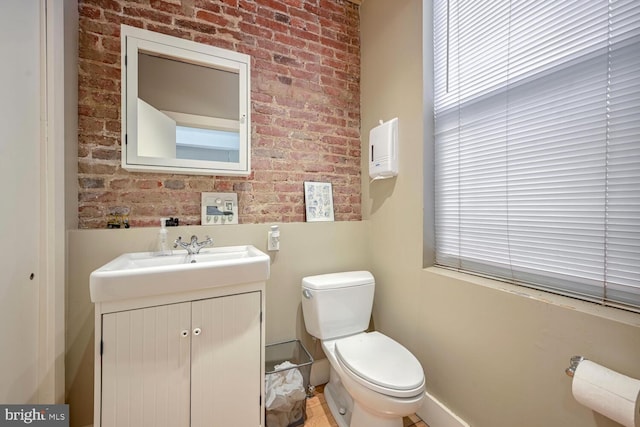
(179, 339)
(192, 363)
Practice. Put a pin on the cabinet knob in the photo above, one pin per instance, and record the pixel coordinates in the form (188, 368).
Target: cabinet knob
(184, 333)
(197, 331)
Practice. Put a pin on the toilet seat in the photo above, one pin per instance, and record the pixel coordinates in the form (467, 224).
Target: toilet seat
(380, 364)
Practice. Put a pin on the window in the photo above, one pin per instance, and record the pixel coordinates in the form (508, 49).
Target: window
(537, 145)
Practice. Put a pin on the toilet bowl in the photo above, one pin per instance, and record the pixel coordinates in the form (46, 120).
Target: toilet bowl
(383, 391)
(374, 381)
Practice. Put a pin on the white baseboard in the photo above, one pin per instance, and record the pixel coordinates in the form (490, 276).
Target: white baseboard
(435, 414)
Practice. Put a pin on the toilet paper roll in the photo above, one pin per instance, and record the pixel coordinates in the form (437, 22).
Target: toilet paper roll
(614, 395)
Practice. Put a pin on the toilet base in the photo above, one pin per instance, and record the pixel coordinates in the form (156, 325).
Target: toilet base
(362, 417)
(331, 396)
(349, 413)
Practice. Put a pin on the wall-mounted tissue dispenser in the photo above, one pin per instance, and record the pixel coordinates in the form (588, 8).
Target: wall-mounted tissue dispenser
(383, 150)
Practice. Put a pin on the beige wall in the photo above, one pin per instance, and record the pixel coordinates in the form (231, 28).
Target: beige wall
(306, 249)
(494, 354)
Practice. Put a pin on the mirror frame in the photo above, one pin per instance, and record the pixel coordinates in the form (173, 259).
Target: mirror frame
(134, 40)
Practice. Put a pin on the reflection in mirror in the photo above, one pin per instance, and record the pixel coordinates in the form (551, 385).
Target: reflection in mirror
(186, 106)
(201, 106)
(207, 144)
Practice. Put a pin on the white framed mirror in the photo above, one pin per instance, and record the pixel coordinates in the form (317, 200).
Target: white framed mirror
(185, 106)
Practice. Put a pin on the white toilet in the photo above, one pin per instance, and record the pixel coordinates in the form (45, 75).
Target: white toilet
(374, 381)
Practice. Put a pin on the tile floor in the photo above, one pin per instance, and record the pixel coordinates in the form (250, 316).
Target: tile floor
(318, 414)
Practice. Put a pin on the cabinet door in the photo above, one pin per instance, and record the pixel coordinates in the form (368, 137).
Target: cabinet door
(226, 361)
(145, 367)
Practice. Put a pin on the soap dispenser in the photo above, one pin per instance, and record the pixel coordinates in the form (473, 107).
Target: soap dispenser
(274, 239)
(163, 247)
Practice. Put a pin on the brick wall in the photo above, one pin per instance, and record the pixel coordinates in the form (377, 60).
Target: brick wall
(305, 80)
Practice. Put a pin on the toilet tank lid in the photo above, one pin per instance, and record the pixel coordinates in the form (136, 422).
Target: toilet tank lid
(338, 280)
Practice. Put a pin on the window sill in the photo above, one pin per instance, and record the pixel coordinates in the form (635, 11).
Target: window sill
(593, 309)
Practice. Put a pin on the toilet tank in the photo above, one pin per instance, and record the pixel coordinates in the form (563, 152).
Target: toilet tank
(337, 304)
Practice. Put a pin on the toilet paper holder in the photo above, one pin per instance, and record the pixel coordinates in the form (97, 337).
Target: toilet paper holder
(574, 362)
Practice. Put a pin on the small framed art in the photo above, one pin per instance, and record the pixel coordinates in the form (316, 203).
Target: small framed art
(318, 198)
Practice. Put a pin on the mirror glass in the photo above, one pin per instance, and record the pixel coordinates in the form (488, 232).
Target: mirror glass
(186, 106)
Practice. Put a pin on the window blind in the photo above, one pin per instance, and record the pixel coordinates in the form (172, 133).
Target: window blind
(537, 144)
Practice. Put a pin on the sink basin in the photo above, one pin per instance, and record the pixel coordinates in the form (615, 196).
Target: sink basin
(142, 274)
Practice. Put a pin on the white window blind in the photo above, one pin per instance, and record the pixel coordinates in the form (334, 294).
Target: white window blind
(537, 117)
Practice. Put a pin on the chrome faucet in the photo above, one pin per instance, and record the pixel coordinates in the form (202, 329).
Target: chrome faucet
(193, 247)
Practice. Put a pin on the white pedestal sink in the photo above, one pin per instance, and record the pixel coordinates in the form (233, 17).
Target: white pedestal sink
(180, 339)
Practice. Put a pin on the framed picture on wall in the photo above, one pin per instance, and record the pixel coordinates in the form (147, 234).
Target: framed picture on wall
(318, 199)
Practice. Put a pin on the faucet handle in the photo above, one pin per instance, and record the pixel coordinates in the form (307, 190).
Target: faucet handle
(208, 241)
